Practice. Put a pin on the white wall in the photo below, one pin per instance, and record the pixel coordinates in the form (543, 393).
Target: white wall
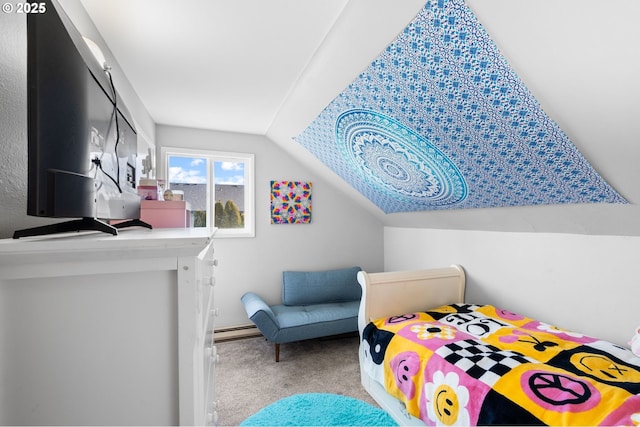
(13, 113)
(583, 283)
(341, 234)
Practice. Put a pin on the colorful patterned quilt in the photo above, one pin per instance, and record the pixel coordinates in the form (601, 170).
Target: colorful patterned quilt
(466, 364)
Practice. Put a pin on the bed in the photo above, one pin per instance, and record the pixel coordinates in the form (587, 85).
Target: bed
(429, 358)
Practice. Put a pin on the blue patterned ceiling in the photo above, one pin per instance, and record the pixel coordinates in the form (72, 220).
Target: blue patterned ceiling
(439, 120)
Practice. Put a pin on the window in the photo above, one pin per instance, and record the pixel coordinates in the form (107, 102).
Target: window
(217, 185)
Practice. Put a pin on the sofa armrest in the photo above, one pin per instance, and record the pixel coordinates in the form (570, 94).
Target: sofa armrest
(261, 314)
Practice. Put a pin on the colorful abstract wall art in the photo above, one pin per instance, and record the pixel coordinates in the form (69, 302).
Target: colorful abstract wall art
(439, 120)
(290, 202)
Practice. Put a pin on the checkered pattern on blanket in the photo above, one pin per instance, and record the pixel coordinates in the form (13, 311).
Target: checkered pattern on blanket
(483, 362)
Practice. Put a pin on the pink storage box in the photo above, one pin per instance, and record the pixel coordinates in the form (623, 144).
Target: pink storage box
(166, 214)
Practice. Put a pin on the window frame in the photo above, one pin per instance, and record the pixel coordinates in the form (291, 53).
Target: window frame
(220, 156)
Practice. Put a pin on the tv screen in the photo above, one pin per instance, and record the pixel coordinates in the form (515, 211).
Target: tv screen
(82, 143)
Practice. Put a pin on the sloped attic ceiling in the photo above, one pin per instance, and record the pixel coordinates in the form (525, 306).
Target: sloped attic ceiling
(440, 120)
(577, 58)
(271, 67)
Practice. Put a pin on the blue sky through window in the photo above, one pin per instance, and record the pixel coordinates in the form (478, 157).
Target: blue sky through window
(193, 170)
(229, 173)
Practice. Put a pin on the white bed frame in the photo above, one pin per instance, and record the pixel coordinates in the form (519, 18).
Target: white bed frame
(401, 292)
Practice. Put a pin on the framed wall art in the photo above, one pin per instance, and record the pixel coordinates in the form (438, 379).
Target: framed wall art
(290, 202)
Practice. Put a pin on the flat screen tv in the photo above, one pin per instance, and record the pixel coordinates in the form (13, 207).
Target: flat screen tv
(82, 142)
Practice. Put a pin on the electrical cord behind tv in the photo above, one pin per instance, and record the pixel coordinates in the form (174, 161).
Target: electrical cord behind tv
(96, 161)
(116, 181)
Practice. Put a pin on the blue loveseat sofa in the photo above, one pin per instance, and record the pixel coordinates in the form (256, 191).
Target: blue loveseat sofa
(314, 304)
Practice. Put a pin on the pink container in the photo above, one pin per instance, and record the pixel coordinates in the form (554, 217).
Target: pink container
(166, 214)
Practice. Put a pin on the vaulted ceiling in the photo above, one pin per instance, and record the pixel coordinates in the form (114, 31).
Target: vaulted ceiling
(295, 70)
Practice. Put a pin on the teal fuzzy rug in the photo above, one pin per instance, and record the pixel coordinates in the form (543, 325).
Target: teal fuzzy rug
(319, 409)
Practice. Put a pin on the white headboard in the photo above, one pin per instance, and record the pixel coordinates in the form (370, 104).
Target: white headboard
(401, 292)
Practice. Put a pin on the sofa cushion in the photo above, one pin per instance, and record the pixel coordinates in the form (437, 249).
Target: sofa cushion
(313, 321)
(292, 316)
(317, 287)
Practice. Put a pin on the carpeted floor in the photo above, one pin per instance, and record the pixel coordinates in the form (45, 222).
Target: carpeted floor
(247, 378)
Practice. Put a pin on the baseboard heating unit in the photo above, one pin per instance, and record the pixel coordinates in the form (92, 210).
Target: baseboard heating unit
(235, 333)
